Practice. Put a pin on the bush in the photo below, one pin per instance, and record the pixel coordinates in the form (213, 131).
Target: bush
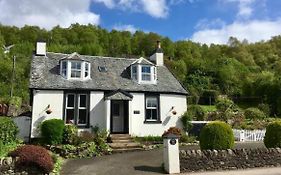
(272, 137)
(264, 108)
(70, 134)
(196, 112)
(186, 122)
(254, 114)
(31, 156)
(8, 130)
(216, 135)
(86, 137)
(224, 104)
(52, 131)
(187, 139)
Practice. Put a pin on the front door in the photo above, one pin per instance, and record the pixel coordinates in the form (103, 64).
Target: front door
(117, 116)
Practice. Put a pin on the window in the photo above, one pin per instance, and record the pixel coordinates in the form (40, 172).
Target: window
(87, 70)
(64, 68)
(152, 108)
(76, 109)
(102, 69)
(145, 73)
(75, 70)
(134, 73)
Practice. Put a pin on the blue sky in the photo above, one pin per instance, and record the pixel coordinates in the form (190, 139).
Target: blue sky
(205, 21)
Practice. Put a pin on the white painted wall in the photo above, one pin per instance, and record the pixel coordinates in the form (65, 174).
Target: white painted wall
(97, 109)
(41, 100)
(137, 126)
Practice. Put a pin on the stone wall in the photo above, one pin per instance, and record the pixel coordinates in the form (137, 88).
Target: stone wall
(197, 160)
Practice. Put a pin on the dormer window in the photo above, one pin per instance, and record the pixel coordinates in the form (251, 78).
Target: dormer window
(73, 67)
(143, 72)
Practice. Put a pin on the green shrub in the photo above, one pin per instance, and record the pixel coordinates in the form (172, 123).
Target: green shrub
(8, 130)
(216, 135)
(254, 114)
(196, 112)
(52, 131)
(224, 104)
(149, 139)
(272, 137)
(187, 139)
(70, 134)
(265, 108)
(186, 122)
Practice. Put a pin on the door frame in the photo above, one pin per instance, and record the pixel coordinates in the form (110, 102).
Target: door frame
(126, 117)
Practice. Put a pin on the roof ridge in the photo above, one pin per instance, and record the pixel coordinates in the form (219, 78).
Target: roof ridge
(95, 56)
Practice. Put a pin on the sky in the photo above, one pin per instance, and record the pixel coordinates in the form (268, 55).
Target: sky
(204, 21)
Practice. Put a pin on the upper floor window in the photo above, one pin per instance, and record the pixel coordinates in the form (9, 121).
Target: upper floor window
(75, 69)
(144, 74)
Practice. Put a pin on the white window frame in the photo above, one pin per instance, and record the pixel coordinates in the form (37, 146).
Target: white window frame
(134, 75)
(82, 108)
(66, 106)
(76, 69)
(152, 108)
(69, 69)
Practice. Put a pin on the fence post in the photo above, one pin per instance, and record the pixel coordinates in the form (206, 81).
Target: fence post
(242, 136)
(171, 154)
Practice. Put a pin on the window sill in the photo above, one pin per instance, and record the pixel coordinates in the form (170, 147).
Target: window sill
(153, 122)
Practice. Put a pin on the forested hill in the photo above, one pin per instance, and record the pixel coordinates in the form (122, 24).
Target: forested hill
(235, 69)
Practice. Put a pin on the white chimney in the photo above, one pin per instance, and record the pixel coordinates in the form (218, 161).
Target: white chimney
(41, 48)
(158, 56)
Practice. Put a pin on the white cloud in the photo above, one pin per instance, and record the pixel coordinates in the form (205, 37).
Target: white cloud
(154, 8)
(46, 13)
(125, 27)
(245, 7)
(253, 31)
(206, 23)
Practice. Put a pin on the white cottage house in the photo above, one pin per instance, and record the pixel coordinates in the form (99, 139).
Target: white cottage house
(140, 96)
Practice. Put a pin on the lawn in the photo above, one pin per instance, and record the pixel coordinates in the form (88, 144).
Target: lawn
(208, 108)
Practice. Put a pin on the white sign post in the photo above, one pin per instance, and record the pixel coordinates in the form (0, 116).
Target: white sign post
(171, 154)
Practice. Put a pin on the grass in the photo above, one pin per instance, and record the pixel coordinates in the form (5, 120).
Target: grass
(6, 148)
(208, 108)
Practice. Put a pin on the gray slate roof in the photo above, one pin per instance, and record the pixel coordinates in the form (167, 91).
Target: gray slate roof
(45, 75)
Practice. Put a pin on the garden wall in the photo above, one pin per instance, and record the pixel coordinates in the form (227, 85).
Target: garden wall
(197, 160)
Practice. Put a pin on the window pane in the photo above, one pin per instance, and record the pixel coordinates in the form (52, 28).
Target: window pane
(70, 100)
(83, 101)
(75, 74)
(82, 116)
(64, 65)
(145, 77)
(134, 69)
(148, 114)
(69, 119)
(86, 66)
(75, 65)
(154, 114)
(145, 69)
(151, 102)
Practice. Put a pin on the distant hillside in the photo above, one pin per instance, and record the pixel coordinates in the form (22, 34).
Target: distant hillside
(236, 69)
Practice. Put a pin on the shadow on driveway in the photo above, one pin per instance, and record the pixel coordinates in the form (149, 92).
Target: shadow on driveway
(139, 163)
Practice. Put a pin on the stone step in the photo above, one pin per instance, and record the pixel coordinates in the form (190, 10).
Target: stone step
(120, 137)
(124, 145)
(122, 140)
(121, 150)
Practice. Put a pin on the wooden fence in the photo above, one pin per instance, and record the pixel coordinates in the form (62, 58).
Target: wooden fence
(249, 135)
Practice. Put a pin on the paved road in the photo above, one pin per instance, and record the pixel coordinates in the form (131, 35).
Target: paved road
(257, 171)
(139, 163)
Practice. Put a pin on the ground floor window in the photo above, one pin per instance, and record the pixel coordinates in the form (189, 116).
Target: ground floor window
(152, 108)
(77, 109)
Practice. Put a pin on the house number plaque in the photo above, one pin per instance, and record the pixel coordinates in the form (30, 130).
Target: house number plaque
(136, 112)
(173, 141)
